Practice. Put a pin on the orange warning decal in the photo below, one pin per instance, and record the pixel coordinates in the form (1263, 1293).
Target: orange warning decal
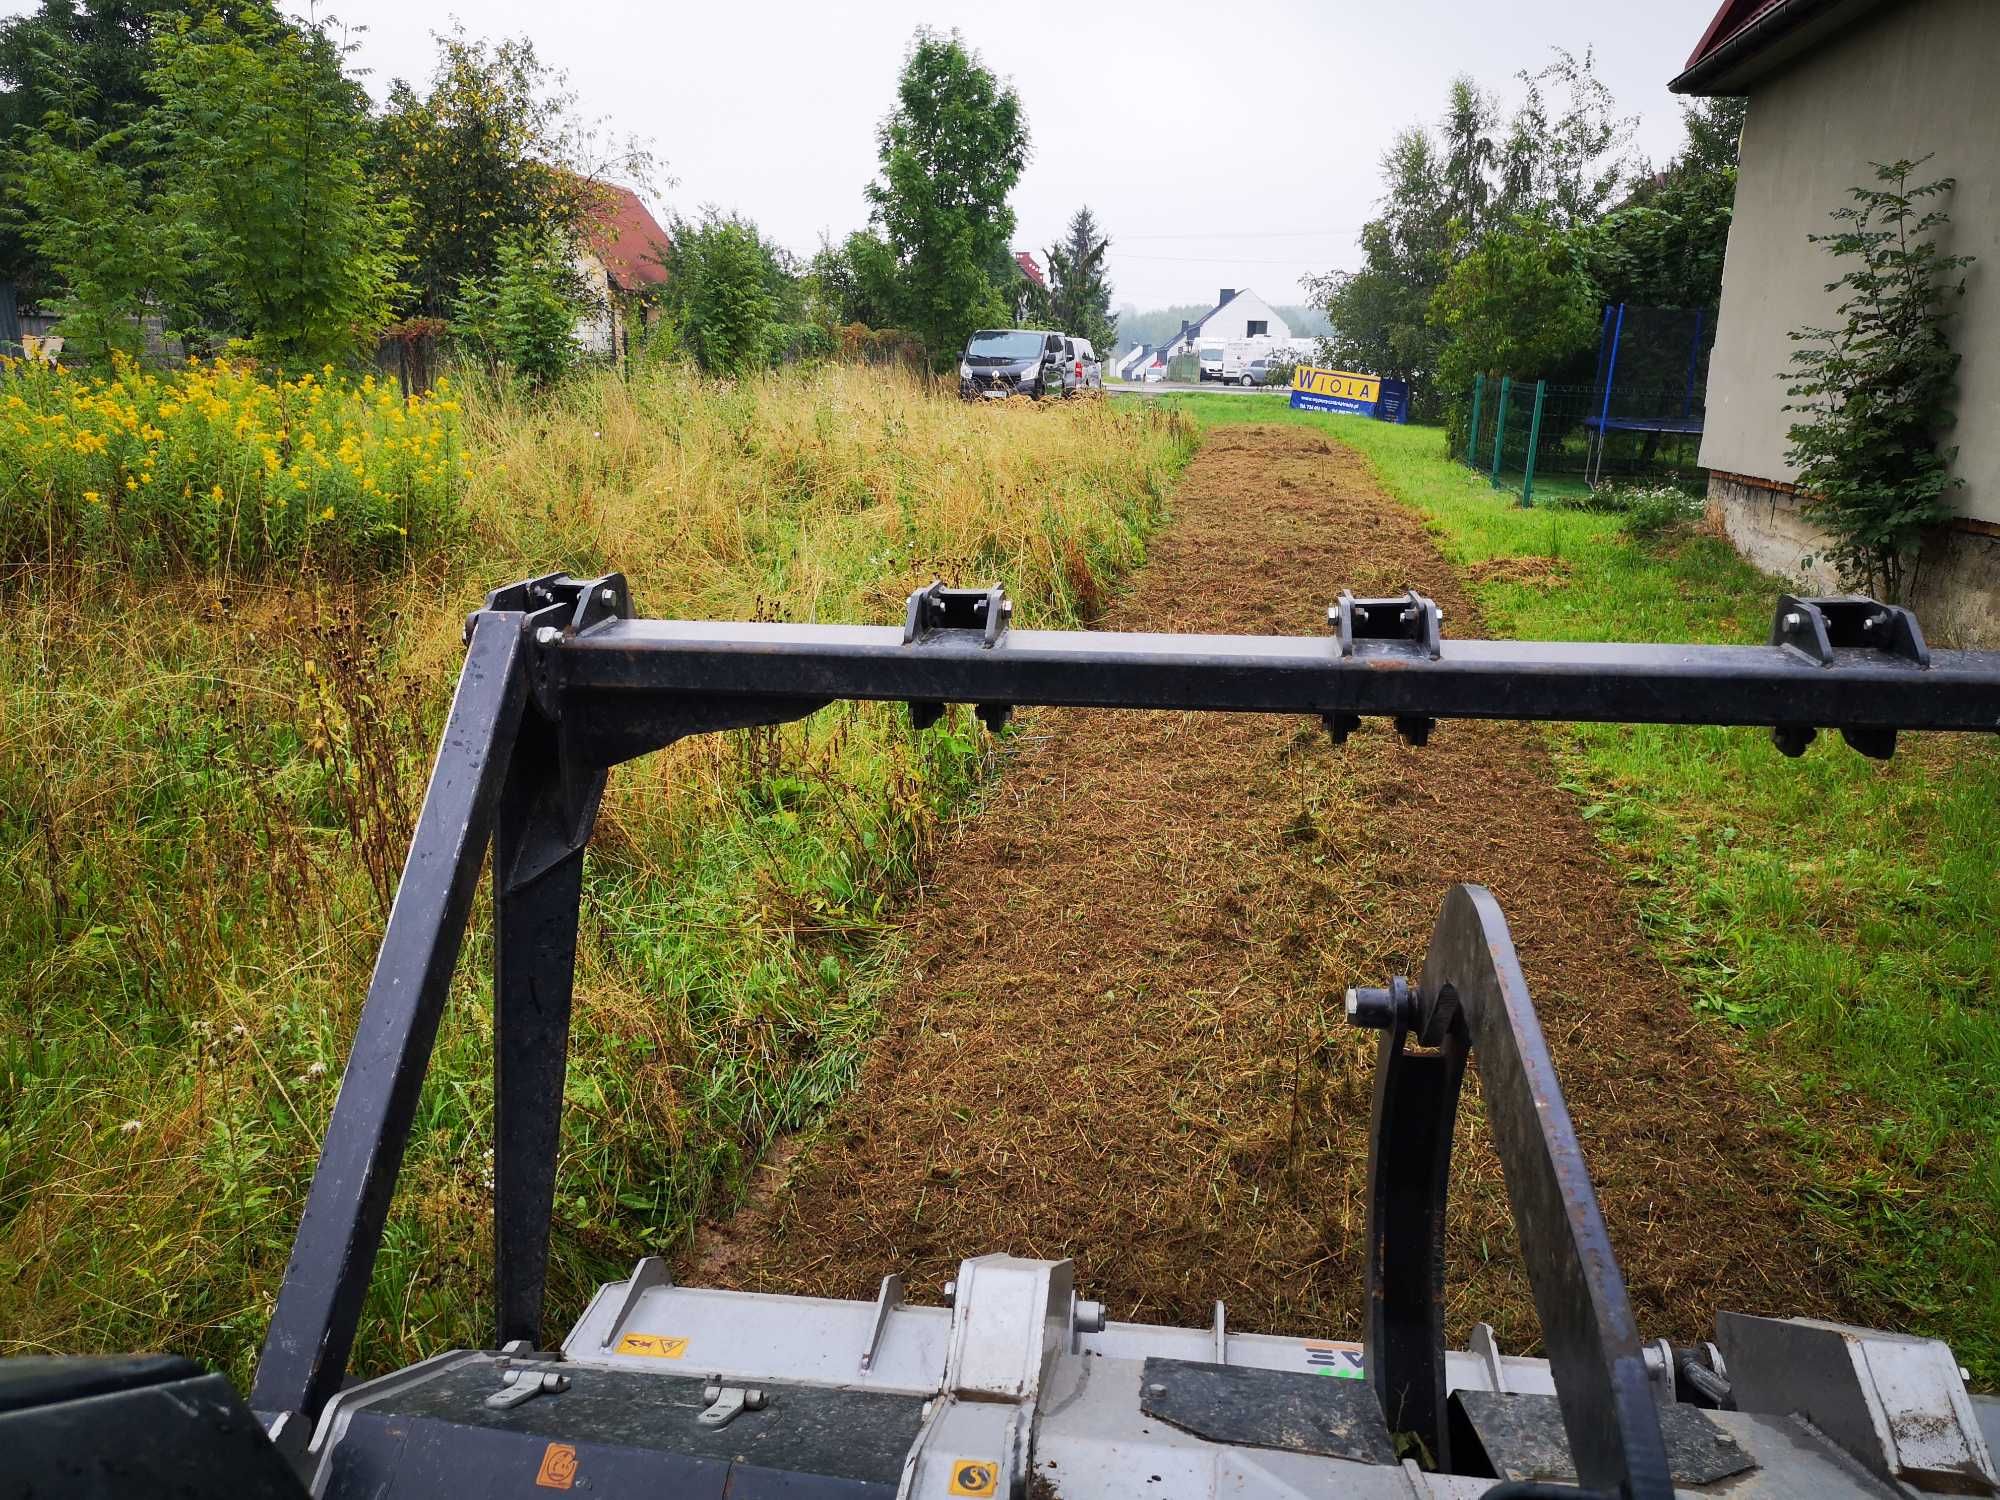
(558, 1470)
(974, 1476)
(652, 1345)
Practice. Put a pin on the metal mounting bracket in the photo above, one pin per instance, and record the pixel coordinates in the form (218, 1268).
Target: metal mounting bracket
(988, 611)
(1407, 624)
(1813, 629)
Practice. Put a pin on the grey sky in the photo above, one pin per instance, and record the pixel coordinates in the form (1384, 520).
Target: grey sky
(1219, 145)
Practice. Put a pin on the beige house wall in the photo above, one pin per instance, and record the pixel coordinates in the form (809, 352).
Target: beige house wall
(1918, 77)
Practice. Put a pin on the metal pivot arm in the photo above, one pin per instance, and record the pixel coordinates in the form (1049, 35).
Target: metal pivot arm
(319, 1304)
(1474, 1001)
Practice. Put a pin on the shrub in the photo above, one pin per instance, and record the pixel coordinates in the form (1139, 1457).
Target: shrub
(218, 467)
(524, 315)
(1878, 389)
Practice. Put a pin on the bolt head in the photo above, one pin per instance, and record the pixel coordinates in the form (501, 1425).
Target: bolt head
(1793, 619)
(547, 635)
(607, 595)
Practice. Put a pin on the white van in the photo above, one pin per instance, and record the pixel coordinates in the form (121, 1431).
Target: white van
(1086, 372)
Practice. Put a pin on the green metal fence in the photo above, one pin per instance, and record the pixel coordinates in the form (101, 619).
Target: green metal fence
(1517, 430)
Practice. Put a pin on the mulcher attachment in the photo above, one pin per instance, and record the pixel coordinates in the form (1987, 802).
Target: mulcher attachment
(749, 1395)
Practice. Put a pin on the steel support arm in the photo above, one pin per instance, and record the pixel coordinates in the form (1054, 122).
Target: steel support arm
(1473, 1001)
(319, 1304)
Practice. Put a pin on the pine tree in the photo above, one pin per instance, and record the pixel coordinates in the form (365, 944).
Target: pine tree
(1079, 293)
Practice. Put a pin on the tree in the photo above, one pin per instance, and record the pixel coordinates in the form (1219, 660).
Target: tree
(1878, 390)
(523, 313)
(1714, 132)
(1079, 294)
(259, 133)
(494, 151)
(855, 281)
(1381, 313)
(1518, 305)
(951, 152)
(89, 233)
(87, 68)
(719, 292)
(1564, 161)
(1470, 155)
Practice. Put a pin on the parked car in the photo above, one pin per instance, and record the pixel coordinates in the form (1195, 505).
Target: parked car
(1211, 364)
(1262, 371)
(997, 362)
(1089, 367)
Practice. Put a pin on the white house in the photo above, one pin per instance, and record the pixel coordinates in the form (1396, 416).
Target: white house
(1236, 316)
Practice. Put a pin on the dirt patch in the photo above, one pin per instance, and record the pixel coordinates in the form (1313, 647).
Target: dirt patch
(1534, 572)
(1122, 1038)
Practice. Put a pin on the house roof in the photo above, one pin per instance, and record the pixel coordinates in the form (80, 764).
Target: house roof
(1196, 326)
(1747, 40)
(630, 242)
(1025, 259)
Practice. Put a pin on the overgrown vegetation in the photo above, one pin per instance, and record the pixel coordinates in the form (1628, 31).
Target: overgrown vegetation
(1878, 390)
(1839, 914)
(1491, 243)
(218, 468)
(205, 789)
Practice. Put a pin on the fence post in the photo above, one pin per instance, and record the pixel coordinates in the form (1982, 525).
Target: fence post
(1472, 442)
(1534, 443)
(1500, 429)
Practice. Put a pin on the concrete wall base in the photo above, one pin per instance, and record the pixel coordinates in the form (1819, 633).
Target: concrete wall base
(1957, 594)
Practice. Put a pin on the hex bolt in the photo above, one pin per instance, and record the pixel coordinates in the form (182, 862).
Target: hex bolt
(607, 595)
(1380, 1009)
(950, 1293)
(547, 635)
(1793, 619)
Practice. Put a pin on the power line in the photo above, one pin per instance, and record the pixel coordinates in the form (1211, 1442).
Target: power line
(1216, 260)
(1250, 234)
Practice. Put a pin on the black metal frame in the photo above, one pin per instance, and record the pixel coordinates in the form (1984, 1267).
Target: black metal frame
(561, 682)
(1473, 1001)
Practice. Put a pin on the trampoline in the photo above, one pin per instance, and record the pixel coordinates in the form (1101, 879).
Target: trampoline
(1639, 353)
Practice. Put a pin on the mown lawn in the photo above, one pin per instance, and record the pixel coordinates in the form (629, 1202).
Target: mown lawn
(1842, 914)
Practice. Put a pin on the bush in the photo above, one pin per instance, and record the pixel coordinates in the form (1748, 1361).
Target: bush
(1650, 510)
(524, 315)
(217, 467)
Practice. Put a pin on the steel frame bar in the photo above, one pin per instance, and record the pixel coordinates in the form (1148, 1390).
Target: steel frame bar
(626, 671)
(1473, 1000)
(326, 1281)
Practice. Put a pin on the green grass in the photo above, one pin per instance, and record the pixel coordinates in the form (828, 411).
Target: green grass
(206, 785)
(1842, 914)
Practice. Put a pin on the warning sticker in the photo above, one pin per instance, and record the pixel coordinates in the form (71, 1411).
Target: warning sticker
(1342, 1361)
(974, 1476)
(558, 1470)
(653, 1345)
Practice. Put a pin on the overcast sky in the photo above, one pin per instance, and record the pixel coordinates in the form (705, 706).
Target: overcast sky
(1219, 145)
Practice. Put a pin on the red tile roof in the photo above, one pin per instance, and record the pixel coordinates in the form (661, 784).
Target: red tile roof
(1728, 21)
(1025, 259)
(630, 242)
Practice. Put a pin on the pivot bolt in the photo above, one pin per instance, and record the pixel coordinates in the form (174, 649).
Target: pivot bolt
(1382, 1009)
(547, 635)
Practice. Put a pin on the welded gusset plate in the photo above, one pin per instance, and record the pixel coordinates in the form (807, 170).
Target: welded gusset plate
(1523, 1439)
(1268, 1409)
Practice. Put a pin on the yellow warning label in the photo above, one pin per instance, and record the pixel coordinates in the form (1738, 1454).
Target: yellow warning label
(652, 1345)
(558, 1470)
(974, 1476)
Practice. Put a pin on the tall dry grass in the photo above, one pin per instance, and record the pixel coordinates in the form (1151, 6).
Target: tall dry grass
(205, 786)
